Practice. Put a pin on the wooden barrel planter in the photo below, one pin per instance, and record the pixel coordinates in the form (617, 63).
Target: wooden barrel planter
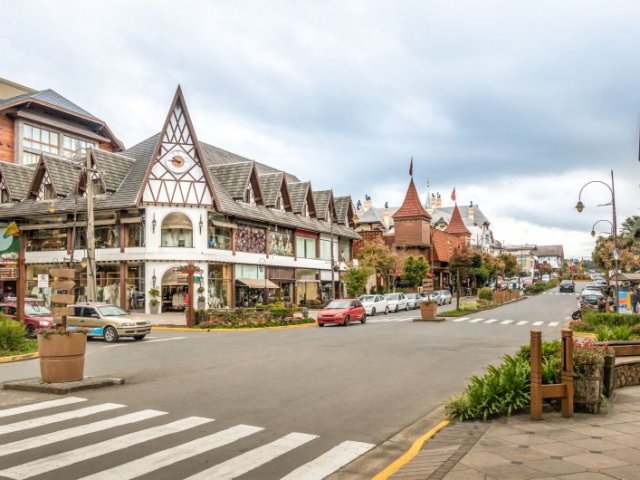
(428, 310)
(588, 387)
(62, 357)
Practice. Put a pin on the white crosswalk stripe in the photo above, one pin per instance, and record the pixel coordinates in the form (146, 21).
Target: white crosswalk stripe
(491, 320)
(476, 320)
(536, 324)
(553, 324)
(61, 456)
(254, 458)
(463, 319)
(8, 412)
(389, 319)
(169, 456)
(58, 417)
(506, 322)
(329, 462)
(522, 322)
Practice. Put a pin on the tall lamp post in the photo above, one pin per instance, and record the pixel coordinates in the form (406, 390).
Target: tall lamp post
(263, 266)
(614, 222)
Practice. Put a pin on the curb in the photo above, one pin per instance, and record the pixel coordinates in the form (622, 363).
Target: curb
(87, 383)
(250, 329)
(19, 358)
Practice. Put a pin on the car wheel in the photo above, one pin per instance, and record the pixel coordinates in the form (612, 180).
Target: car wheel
(364, 318)
(138, 337)
(397, 309)
(110, 335)
(347, 321)
(406, 309)
(373, 312)
(31, 331)
(320, 324)
(386, 310)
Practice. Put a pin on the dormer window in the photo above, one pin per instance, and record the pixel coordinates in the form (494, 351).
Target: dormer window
(4, 196)
(279, 205)
(249, 196)
(305, 209)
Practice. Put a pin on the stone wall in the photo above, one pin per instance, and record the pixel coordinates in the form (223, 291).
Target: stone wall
(627, 374)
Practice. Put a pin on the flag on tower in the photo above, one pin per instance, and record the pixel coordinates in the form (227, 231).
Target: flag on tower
(411, 167)
(453, 194)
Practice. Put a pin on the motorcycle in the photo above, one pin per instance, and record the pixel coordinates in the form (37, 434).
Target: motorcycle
(582, 305)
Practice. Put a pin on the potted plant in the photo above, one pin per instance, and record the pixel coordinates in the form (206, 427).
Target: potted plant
(588, 377)
(154, 301)
(428, 309)
(62, 354)
(201, 299)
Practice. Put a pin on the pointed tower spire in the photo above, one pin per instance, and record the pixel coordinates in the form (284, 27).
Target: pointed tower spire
(456, 224)
(177, 173)
(411, 206)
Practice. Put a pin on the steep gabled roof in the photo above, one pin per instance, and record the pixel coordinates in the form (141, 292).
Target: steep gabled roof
(114, 166)
(456, 225)
(271, 184)
(299, 192)
(234, 177)
(411, 206)
(323, 201)
(344, 207)
(64, 175)
(549, 251)
(371, 215)
(17, 179)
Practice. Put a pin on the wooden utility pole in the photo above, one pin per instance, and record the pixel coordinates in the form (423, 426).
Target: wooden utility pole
(190, 269)
(91, 291)
(21, 284)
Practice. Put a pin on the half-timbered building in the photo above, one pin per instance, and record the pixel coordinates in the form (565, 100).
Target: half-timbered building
(255, 233)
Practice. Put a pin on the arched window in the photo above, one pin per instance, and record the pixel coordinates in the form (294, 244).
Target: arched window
(249, 196)
(279, 203)
(176, 231)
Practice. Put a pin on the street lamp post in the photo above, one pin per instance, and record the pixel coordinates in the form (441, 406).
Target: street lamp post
(614, 222)
(263, 266)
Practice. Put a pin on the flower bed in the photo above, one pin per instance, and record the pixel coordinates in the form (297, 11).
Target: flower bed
(483, 304)
(274, 315)
(608, 326)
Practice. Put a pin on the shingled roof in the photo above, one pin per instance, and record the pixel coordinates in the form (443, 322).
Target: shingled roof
(299, 192)
(411, 206)
(115, 168)
(234, 177)
(343, 205)
(456, 225)
(17, 179)
(271, 184)
(322, 201)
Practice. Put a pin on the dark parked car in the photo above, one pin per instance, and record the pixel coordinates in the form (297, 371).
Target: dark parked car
(567, 286)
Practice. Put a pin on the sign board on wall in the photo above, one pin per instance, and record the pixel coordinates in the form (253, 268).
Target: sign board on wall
(43, 280)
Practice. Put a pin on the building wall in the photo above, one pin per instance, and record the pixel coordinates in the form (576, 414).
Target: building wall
(412, 232)
(7, 135)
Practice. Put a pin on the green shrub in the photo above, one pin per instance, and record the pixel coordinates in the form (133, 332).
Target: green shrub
(503, 390)
(485, 294)
(616, 332)
(549, 349)
(595, 318)
(12, 336)
(588, 353)
(279, 311)
(457, 406)
(581, 326)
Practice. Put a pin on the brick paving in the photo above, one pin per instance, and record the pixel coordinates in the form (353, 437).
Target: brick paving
(586, 447)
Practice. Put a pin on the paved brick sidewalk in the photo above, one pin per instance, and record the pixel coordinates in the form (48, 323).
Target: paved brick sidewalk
(586, 447)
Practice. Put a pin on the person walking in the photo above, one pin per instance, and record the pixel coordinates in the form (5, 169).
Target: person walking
(634, 300)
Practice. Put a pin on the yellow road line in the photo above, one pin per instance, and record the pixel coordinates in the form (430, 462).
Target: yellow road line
(409, 454)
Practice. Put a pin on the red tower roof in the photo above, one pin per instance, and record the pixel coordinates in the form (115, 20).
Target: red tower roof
(412, 207)
(456, 225)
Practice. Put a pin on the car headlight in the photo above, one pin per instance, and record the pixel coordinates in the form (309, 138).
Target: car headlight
(44, 323)
(128, 324)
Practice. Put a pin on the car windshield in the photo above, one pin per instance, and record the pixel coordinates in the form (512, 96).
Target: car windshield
(36, 310)
(566, 282)
(111, 311)
(591, 299)
(367, 298)
(391, 296)
(338, 304)
(412, 295)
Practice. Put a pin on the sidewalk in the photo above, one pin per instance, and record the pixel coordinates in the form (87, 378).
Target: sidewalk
(585, 447)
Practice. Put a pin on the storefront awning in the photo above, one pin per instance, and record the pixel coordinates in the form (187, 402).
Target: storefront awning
(257, 283)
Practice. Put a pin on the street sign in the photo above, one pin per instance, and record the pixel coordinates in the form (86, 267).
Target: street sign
(616, 254)
(43, 280)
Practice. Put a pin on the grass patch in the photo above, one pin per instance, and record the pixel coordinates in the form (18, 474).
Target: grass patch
(29, 346)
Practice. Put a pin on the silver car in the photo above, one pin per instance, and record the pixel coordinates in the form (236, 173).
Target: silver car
(442, 297)
(396, 301)
(374, 304)
(414, 300)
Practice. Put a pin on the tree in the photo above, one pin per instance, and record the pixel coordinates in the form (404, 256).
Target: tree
(462, 261)
(415, 270)
(630, 225)
(355, 279)
(376, 256)
(510, 263)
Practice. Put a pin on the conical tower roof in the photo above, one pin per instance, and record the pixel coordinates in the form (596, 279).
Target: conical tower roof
(412, 207)
(456, 225)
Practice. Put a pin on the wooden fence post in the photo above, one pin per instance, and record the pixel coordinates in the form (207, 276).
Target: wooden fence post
(536, 375)
(567, 373)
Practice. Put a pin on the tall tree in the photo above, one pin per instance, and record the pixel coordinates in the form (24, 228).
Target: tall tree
(355, 278)
(377, 256)
(415, 270)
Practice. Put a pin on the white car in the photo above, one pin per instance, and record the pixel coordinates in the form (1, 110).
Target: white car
(414, 300)
(396, 302)
(374, 304)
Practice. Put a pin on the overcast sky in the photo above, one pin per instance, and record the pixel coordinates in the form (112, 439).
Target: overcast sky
(516, 104)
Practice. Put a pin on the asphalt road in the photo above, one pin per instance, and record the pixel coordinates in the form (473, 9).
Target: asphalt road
(362, 383)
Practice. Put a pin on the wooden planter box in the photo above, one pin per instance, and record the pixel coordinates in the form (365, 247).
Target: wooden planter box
(62, 357)
(587, 389)
(428, 311)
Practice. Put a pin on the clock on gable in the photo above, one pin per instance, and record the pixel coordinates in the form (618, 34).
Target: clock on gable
(178, 161)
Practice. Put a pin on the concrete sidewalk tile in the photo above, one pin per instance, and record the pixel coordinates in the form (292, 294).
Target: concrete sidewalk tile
(511, 472)
(631, 428)
(552, 466)
(629, 455)
(501, 431)
(596, 444)
(466, 474)
(537, 427)
(626, 440)
(629, 472)
(522, 454)
(491, 443)
(616, 418)
(597, 461)
(563, 435)
(477, 459)
(586, 476)
(526, 439)
(590, 431)
(562, 449)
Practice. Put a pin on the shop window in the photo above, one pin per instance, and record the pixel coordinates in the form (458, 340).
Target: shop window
(325, 249)
(47, 240)
(249, 271)
(105, 236)
(219, 237)
(306, 247)
(281, 242)
(177, 231)
(345, 250)
(135, 235)
(108, 284)
(219, 286)
(135, 287)
(251, 240)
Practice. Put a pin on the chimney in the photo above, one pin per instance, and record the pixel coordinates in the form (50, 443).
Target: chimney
(368, 203)
(436, 201)
(471, 212)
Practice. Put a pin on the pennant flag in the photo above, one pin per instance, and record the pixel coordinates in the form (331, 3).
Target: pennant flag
(453, 194)
(411, 168)
(12, 230)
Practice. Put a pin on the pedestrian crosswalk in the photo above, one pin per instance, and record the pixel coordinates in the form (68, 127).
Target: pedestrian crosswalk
(391, 319)
(559, 293)
(49, 455)
(506, 322)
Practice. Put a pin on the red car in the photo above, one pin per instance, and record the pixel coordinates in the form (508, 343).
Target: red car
(36, 317)
(342, 312)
